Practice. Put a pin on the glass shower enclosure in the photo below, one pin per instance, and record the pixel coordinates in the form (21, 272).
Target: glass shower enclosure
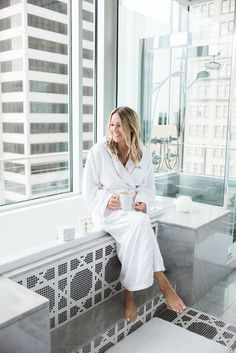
(179, 66)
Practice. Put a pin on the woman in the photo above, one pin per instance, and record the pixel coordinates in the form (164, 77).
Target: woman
(121, 163)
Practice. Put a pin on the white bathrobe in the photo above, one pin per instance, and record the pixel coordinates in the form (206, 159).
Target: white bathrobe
(137, 248)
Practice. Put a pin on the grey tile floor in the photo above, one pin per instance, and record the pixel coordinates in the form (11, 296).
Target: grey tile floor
(220, 301)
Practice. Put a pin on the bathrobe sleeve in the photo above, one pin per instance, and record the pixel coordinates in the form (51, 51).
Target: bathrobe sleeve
(95, 197)
(146, 191)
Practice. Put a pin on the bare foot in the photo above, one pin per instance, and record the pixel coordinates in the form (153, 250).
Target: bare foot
(173, 301)
(130, 307)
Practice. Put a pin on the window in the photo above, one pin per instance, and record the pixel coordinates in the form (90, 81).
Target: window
(14, 187)
(13, 147)
(47, 108)
(36, 92)
(87, 91)
(49, 167)
(11, 65)
(87, 35)
(16, 168)
(48, 128)
(12, 107)
(57, 6)
(218, 131)
(50, 187)
(87, 16)
(87, 109)
(48, 25)
(48, 66)
(7, 3)
(15, 128)
(37, 148)
(48, 87)
(47, 45)
(87, 127)
(12, 86)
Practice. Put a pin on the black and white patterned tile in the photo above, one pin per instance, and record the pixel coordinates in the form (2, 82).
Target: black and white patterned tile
(203, 324)
(75, 282)
(122, 328)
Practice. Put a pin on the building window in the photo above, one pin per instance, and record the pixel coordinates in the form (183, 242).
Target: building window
(87, 16)
(57, 6)
(50, 187)
(49, 167)
(16, 168)
(10, 22)
(37, 148)
(14, 187)
(12, 86)
(87, 54)
(48, 108)
(12, 107)
(48, 128)
(48, 66)
(11, 65)
(7, 3)
(13, 147)
(11, 44)
(87, 72)
(48, 87)
(15, 128)
(87, 127)
(87, 109)
(218, 131)
(87, 35)
(87, 145)
(48, 25)
(87, 91)
(47, 45)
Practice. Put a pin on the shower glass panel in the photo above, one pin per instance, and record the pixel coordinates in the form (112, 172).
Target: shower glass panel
(184, 95)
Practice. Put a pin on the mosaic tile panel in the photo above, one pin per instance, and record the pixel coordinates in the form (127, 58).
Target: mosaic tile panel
(121, 328)
(203, 324)
(76, 282)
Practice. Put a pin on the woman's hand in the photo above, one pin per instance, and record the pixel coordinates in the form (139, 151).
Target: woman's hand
(114, 202)
(140, 206)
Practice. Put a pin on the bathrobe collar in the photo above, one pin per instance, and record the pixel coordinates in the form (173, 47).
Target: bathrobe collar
(124, 172)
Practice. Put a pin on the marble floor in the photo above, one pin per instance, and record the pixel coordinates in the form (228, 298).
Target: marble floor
(220, 301)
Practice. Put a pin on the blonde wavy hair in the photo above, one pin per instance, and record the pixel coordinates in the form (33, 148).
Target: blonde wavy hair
(130, 126)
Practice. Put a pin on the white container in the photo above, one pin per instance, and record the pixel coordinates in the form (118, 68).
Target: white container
(183, 204)
(66, 232)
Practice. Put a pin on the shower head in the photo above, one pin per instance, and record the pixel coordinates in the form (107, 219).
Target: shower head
(203, 74)
(212, 64)
(200, 74)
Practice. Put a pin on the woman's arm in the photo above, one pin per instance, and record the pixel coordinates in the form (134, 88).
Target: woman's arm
(96, 198)
(145, 193)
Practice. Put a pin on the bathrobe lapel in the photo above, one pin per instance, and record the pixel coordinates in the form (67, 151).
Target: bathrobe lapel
(124, 172)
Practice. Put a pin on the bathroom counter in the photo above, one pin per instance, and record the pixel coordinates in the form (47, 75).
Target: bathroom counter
(194, 247)
(24, 319)
(199, 216)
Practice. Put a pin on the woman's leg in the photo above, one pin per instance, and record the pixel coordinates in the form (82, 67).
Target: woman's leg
(130, 306)
(173, 301)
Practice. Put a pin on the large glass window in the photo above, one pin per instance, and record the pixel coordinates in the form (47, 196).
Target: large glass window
(35, 102)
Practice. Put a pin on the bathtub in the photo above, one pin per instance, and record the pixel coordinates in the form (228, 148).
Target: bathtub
(30, 233)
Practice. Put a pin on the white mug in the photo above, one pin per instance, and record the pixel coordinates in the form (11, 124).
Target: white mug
(126, 200)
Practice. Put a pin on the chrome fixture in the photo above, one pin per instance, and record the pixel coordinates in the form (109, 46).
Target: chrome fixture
(212, 64)
(200, 74)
